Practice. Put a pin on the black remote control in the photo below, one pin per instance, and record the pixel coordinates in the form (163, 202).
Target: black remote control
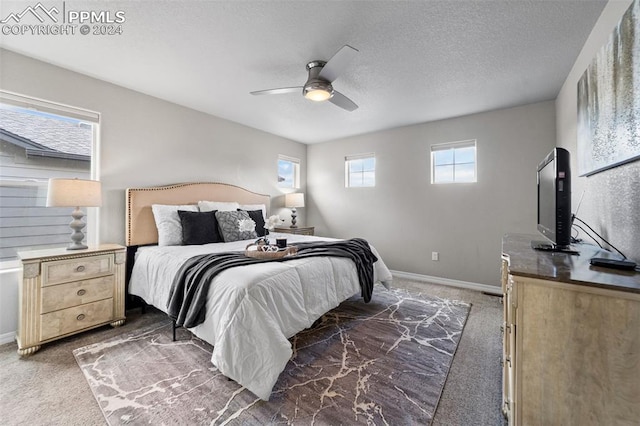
(612, 263)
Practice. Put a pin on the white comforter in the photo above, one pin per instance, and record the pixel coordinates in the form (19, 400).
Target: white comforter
(253, 310)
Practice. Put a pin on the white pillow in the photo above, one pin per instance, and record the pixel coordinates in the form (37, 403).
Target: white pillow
(251, 207)
(222, 206)
(168, 223)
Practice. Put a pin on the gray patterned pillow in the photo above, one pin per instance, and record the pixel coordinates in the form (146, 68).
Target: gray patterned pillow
(229, 225)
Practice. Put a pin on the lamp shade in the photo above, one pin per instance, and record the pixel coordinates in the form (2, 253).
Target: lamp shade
(294, 200)
(74, 193)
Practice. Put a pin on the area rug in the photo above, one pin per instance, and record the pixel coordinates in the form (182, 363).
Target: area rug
(383, 362)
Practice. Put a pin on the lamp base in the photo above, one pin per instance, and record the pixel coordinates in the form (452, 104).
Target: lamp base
(294, 215)
(75, 246)
(77, 225)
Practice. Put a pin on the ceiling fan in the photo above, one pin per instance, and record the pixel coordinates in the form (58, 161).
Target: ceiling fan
(321, 74)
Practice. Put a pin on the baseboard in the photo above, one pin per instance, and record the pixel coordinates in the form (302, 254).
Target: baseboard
(7, 337)
(449, 282)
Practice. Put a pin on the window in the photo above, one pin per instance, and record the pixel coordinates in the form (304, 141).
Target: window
(453, 162)
(360, 170)
(288, 172)
(41, 140)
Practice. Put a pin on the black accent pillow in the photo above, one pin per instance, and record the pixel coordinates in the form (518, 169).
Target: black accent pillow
(258, 218)
(199, 228)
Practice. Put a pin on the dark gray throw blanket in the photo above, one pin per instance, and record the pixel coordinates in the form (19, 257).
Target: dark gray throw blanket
(188, 295)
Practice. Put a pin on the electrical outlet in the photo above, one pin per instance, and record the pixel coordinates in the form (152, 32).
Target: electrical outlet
(435, 255)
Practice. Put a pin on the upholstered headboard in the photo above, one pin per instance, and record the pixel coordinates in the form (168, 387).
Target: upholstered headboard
(140, 224)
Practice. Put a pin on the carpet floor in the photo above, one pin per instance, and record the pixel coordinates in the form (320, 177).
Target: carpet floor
(383, 362)
(49, 388)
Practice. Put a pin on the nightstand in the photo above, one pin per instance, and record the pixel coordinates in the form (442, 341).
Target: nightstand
(64, 292)
(302, 230)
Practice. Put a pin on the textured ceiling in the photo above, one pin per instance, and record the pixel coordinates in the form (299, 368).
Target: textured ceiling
(419, 61)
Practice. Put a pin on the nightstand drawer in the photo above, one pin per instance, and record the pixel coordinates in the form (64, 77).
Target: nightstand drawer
(62, 296)
(58, 323)
(63, 271)
(305, 230)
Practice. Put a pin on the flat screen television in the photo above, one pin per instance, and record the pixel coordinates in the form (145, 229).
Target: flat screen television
(554, 201)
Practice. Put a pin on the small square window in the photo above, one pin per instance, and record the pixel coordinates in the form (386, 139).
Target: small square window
(454, 162)
(360, 171)
(288, 172)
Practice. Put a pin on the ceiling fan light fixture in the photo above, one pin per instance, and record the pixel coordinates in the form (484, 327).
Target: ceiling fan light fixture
(318, 87)
(317, 94)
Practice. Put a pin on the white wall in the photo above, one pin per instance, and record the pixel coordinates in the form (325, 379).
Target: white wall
(611, 202)
(406, 217)
(147, 141)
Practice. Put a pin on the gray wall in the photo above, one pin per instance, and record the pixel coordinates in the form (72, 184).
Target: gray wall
(611, 201)
(147, 141)
(406, 217)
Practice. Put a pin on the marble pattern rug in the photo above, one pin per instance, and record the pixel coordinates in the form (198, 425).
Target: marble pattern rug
(384, 362)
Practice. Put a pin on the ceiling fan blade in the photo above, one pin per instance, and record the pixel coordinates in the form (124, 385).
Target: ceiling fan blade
(343, 102)
(338, 63)
(279, 91)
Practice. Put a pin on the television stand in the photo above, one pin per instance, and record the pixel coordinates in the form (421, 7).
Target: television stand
(547, 246)
(571, 346)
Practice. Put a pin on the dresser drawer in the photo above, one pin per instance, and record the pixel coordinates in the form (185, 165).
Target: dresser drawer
(55, 324)
(62, 271)
(76, 293)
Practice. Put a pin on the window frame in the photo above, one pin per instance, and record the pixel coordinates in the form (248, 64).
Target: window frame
(347, 169)
(296, 171)
(453, 146)
(92, 217)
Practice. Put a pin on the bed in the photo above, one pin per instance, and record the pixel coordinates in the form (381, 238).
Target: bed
(251, 311)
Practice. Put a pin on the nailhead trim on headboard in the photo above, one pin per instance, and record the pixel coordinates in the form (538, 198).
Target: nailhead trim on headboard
(242, 195)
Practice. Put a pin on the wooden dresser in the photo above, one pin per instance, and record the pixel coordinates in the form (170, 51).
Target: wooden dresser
(64, 292)
(571, 338)
(302, 230)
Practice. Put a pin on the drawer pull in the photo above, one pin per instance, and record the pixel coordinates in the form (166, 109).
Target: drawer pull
(80, 317)
(80, 268)
(81, 292)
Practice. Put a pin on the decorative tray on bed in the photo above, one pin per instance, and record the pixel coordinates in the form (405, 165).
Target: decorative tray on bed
(269, 251)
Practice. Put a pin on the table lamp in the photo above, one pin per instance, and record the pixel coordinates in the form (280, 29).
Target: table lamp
(294, 200)
(74, 193)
